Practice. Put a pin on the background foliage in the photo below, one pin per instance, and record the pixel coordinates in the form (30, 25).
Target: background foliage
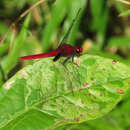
(103, 29)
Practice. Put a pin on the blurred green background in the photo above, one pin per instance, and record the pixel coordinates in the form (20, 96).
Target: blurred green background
(103, 28)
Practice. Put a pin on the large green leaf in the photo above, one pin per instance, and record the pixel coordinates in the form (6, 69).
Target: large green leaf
(117, 119)
(48, 94)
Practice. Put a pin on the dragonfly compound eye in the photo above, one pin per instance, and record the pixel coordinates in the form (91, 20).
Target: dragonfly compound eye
(79, 49)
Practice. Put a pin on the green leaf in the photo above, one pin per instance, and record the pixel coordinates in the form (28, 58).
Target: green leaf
(72, 13)
(10, 62)
(99, 12)
(3, 48)
(117, 119)
(120, 6)
(48, 94)
(127, 12)
(53, 23)
(3, 28)
(108, 55)
(65, 7)
(119, 41)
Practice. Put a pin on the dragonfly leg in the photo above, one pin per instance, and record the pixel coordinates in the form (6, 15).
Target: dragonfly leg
(72, 58)
(66, 60)
(57, 57)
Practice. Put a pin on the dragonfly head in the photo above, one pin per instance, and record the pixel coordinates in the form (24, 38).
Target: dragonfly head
(78, 49)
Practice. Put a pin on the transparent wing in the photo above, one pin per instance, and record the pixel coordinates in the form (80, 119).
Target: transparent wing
(70, 28)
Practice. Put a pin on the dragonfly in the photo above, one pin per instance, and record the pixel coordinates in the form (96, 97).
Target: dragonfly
(63, 50)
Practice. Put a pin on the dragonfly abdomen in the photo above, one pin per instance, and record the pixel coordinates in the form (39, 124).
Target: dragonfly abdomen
(37, 56)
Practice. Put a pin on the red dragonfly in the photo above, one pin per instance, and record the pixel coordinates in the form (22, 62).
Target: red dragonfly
(64, 50)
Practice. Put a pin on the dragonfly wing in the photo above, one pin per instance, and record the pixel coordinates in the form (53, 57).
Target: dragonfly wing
(70, 28)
